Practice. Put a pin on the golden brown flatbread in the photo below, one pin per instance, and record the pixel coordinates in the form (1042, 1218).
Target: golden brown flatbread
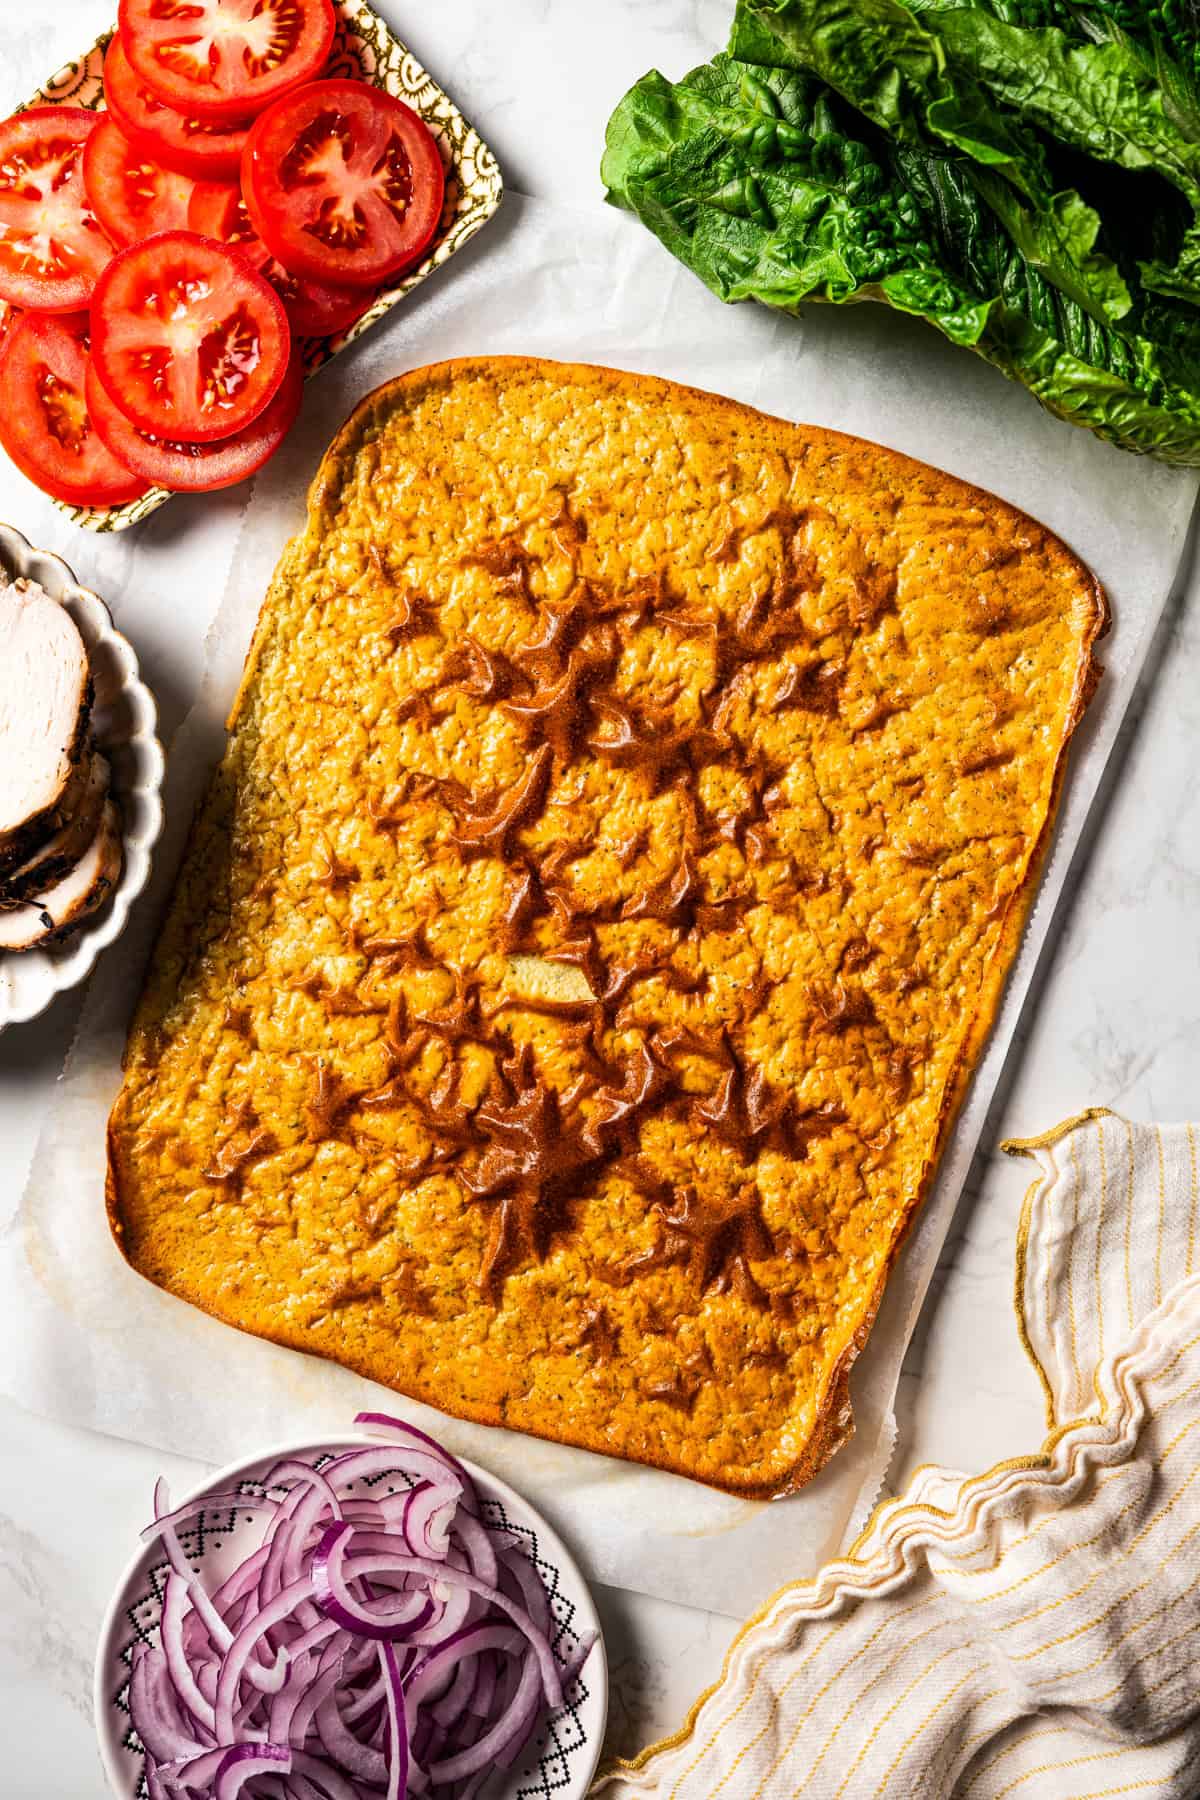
(628, 818)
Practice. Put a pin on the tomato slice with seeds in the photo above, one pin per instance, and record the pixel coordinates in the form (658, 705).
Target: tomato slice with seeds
(343, 183)
(217, 210)
(52, 246)
(132, 195)
(190, 342)
(44, 421)
(207, 149)
(225, 59)
(198, 468)
(314, 308)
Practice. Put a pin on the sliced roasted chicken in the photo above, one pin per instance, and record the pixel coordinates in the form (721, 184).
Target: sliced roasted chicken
(45, 703)
(59, 854)
(80, 892)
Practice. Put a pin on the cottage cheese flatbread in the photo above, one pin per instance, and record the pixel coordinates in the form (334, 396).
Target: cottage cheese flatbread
(628, 818)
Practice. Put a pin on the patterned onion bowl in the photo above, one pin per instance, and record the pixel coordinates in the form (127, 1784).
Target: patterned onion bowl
(566, 1747)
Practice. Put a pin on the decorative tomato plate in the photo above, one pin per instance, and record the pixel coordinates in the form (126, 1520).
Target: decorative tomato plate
(364, 49)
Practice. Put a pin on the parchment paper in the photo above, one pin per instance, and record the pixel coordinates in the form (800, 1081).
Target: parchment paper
(84, 1339)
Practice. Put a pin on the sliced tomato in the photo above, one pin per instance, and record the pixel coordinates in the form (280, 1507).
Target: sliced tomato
(343, 183)
(198, 468)
(207, 149)
(217, 210)
(189, 340)
(132, 195)
(314, 309)
(225, 59)
(52, 246)
(44, 421)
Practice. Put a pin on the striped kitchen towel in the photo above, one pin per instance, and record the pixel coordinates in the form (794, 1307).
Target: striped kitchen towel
(1033, 1631)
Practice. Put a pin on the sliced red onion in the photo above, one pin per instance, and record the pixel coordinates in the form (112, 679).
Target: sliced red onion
(509, 1734)
(293, 1710)
(342, 1747)
(383, 1643)
(428, 1515)
(161, 1723)
(454, 1608)
(154, 1787)
(573, 1666)
(176, 1596)
(195, 1772)
(242, 1648)
(243, 1582)
(376, 1423)
(370, 1697)
(304, 1475)
(315, 1637)
(219, 1632)
(308, 1500)
(484, 1698)
(530, 1590)
(269, 1679)
(397, 1787)
(301, 1788)
(334, 1597)
(451, 1606)
(481, 1553)
(206, 1674)
(244, 1762)
(357, 1465)
(333, 1784)
(430, 1680)
(209, 1503)
(438, 1572)
(451, 1704)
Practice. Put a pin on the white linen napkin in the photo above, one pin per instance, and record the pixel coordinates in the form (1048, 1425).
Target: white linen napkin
(1031, 1631)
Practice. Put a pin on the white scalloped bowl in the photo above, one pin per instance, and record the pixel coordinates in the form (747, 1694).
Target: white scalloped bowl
(124, 720)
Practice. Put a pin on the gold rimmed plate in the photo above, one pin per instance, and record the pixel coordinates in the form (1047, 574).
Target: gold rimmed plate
(366, 49)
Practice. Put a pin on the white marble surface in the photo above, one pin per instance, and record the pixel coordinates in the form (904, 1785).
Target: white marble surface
(1116, 1020)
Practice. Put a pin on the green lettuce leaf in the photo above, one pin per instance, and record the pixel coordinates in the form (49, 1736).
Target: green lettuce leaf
(1102, 97)
(880, 57)
(770, 186)
(1036, 71)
